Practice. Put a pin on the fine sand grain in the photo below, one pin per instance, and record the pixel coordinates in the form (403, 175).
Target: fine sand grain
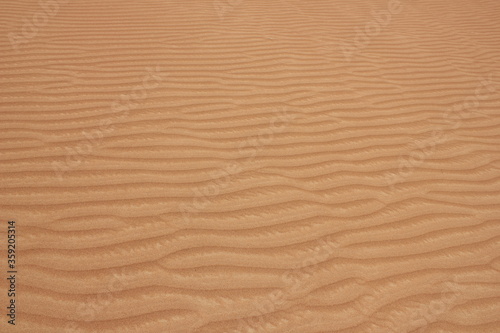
(249, 166)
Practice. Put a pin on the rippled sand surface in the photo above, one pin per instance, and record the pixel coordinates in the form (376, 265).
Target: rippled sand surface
(251, 166)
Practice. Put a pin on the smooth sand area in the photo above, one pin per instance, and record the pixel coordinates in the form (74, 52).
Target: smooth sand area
(250, 166)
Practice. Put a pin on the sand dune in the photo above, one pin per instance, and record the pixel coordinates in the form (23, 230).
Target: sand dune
(251, 166)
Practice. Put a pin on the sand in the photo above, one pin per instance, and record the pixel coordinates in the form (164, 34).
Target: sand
(251, 166)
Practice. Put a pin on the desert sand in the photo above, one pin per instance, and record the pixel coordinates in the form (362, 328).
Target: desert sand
(248, 166)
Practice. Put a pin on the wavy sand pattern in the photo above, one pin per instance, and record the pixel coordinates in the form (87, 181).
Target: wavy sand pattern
(252, 166)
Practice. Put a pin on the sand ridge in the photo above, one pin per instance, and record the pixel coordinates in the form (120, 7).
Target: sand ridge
(252, 166)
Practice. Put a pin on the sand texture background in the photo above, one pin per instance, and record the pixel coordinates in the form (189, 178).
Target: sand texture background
(251, 166)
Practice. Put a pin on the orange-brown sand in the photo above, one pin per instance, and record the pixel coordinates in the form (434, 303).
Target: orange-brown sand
(248, 166)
